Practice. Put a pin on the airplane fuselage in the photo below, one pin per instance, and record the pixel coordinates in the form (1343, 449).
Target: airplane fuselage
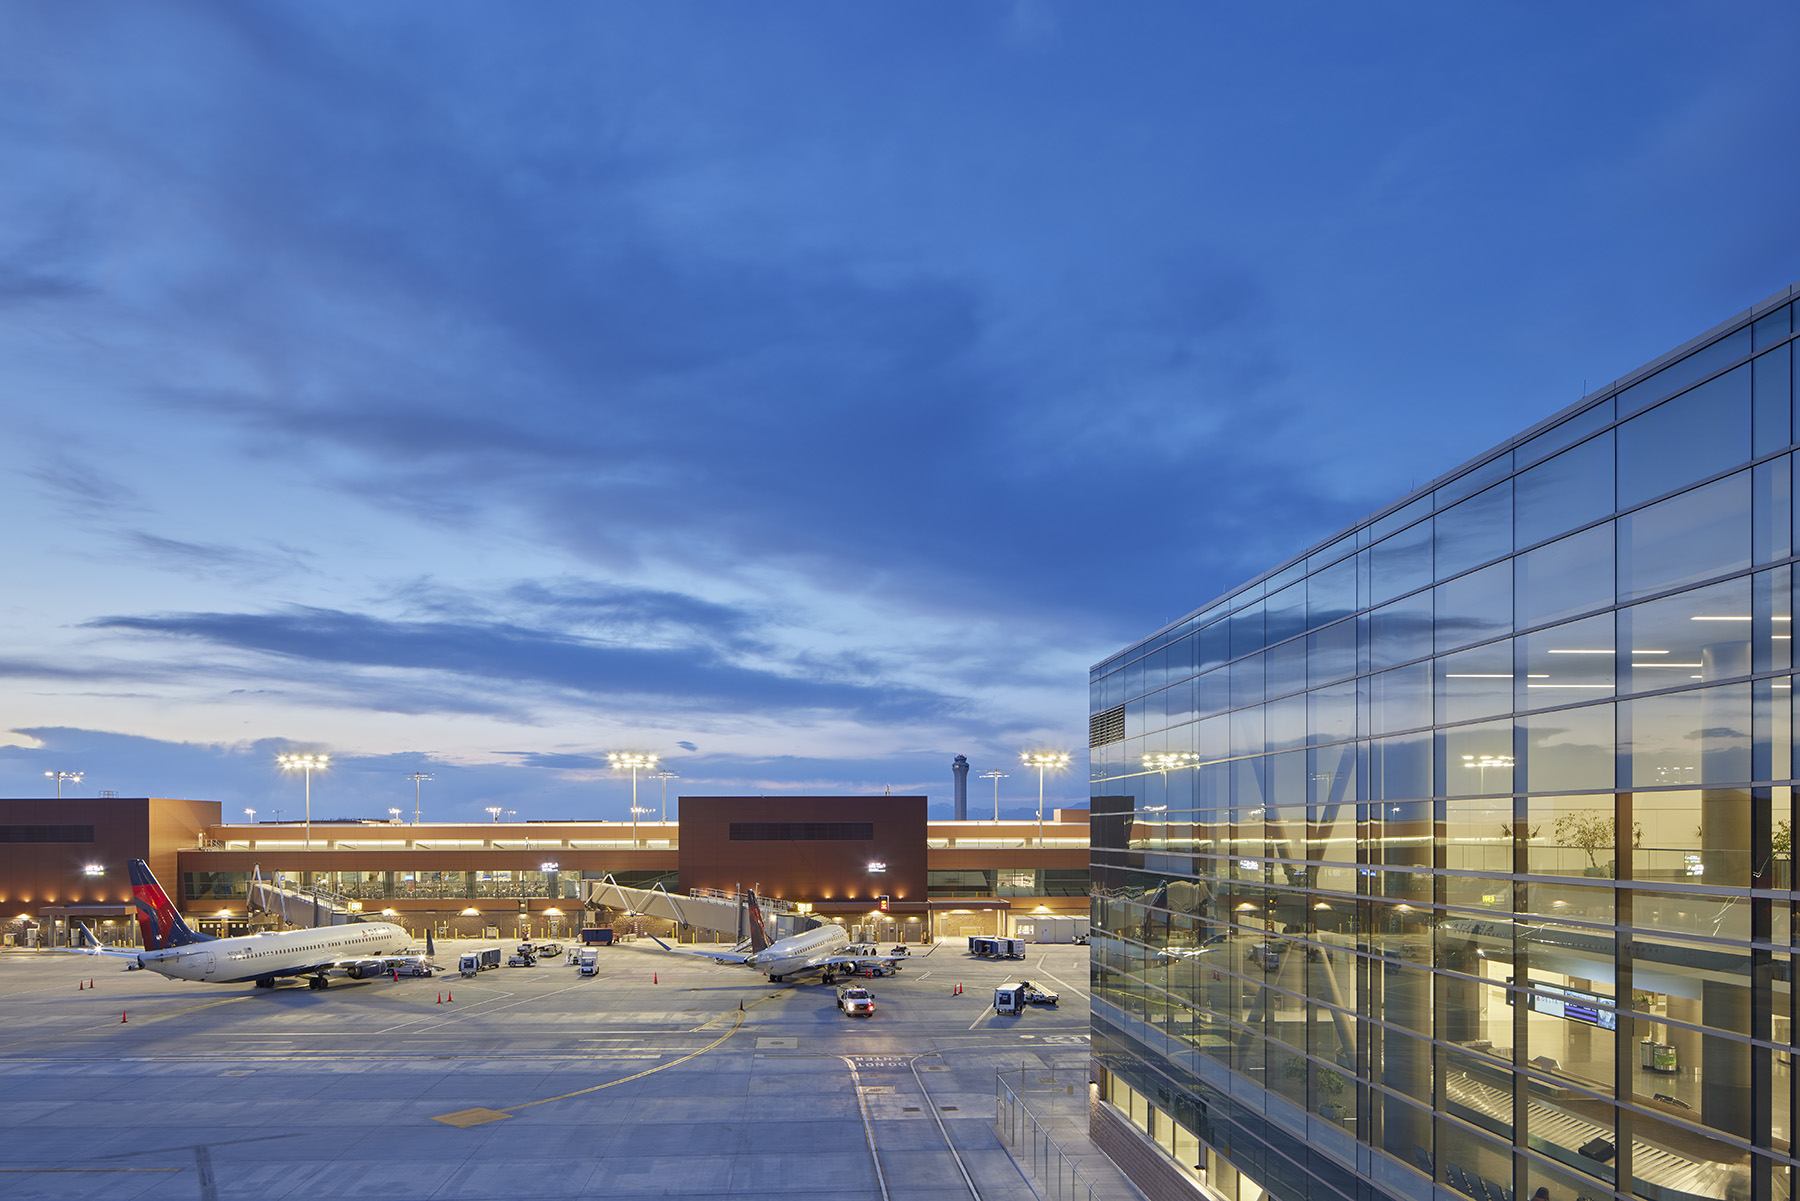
(789, 955)
(288, 953)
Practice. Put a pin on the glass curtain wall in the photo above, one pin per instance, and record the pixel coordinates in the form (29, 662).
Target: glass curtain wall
(1458, 852)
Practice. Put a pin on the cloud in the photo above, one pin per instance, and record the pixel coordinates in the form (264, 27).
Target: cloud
(500, 651)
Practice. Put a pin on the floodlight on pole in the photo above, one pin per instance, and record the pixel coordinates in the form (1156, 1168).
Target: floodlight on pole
(307, 764)
(395, 814)
(73, 777)
(996, 777)
(251, 814)
(1044, 761)
(494, 812)
(633, 760)
(665, 777)
(418, 778)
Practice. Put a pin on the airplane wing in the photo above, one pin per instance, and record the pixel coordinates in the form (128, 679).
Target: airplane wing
(715, 956)
(835, 960)
(92, 946)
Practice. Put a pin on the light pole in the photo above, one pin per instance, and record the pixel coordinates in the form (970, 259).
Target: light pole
(395, 814)
(634, 761)
(665, 777)
(418, 778)
(73, 777)
(996, 777)
(307, 764)
(1044, 761)
(251, 814)
(494, 812)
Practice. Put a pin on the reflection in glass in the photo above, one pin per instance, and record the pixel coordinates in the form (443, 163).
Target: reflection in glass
(1687, 538)
(1567, 749)
(1565, 664)
(1401, 563)
(1474, 608)
(1475, 683)
(1475, 531)
(1400, 632)
(1701, 432)
(1564, 493)
(1562, 579)
(1670, 642)
(1477, 759)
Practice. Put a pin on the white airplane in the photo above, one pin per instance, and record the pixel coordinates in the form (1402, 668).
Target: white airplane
(815, 950)
(175, 951)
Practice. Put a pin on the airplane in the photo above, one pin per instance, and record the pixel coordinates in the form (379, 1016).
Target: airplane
(815, 950)
(175, 951)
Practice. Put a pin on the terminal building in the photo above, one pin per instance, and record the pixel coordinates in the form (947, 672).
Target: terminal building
(1452, 857)
(873, 862)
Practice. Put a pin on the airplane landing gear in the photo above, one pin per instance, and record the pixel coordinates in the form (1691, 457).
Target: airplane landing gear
(774, 979)
(317, 982)
(265, 982)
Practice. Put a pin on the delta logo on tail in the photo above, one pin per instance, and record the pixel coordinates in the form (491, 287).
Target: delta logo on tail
(759, 935)
(158, 922)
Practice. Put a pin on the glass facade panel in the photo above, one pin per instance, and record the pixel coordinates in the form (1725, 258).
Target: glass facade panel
(1492, 892)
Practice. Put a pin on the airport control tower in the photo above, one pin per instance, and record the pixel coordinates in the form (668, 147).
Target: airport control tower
(960, 768)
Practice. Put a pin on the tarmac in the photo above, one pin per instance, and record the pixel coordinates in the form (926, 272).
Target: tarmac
(665, 1076)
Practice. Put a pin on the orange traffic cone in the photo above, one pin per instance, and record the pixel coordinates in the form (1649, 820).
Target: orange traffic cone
(440, 999)
(123, 1018)
(90, 983)
(450, 997)
(653, 977)
(79, 986)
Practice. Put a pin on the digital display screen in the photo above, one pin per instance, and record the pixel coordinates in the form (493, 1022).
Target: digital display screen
(1555, 1001)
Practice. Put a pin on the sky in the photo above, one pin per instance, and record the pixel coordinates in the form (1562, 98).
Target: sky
(803, 393)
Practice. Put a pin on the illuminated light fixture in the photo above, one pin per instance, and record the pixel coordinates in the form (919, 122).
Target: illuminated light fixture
(389, 912)
(1044, 761)
(1568, 685)
(395, 814)
(1727, 618)
(1478, 675)
(251, 814)
(553, 911)
(876, 867)
(73, 777)
(549, 867)
(224, 913)
(996, 777)
(622, 760)
(1666, 664)
(355, 906)
(1245, 907)
(94, 869)
(494, 812)
(471, 911)
(307, 764)
(1638, 652)
(1580, 652)
(1321, 905)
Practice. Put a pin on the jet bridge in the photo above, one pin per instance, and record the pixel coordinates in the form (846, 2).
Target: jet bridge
(305, 907)
(705, 909)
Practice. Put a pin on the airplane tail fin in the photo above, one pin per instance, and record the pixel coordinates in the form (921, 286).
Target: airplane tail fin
(158, 921)
(759, 934)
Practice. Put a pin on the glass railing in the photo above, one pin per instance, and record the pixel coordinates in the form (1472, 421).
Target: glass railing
(1052, 1173)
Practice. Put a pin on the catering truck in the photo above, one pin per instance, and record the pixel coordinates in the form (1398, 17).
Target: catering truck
(479, 960)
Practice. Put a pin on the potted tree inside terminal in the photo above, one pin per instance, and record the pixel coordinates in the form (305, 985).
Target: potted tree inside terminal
(1589, 831)
(1330, 1086)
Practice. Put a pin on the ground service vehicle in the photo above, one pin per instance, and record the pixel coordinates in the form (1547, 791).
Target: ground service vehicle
(479, 960)
(589, 962)
(597, 936)
(856, 1001)
(1038, 996)
(522, 958)
(546, 949)
(410, 967)
(988, 947)
(1010, 998)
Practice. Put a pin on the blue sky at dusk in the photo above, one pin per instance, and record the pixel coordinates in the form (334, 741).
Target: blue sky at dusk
(805, 393)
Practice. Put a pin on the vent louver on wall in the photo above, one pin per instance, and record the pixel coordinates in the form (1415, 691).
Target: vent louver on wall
(1106, 727)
